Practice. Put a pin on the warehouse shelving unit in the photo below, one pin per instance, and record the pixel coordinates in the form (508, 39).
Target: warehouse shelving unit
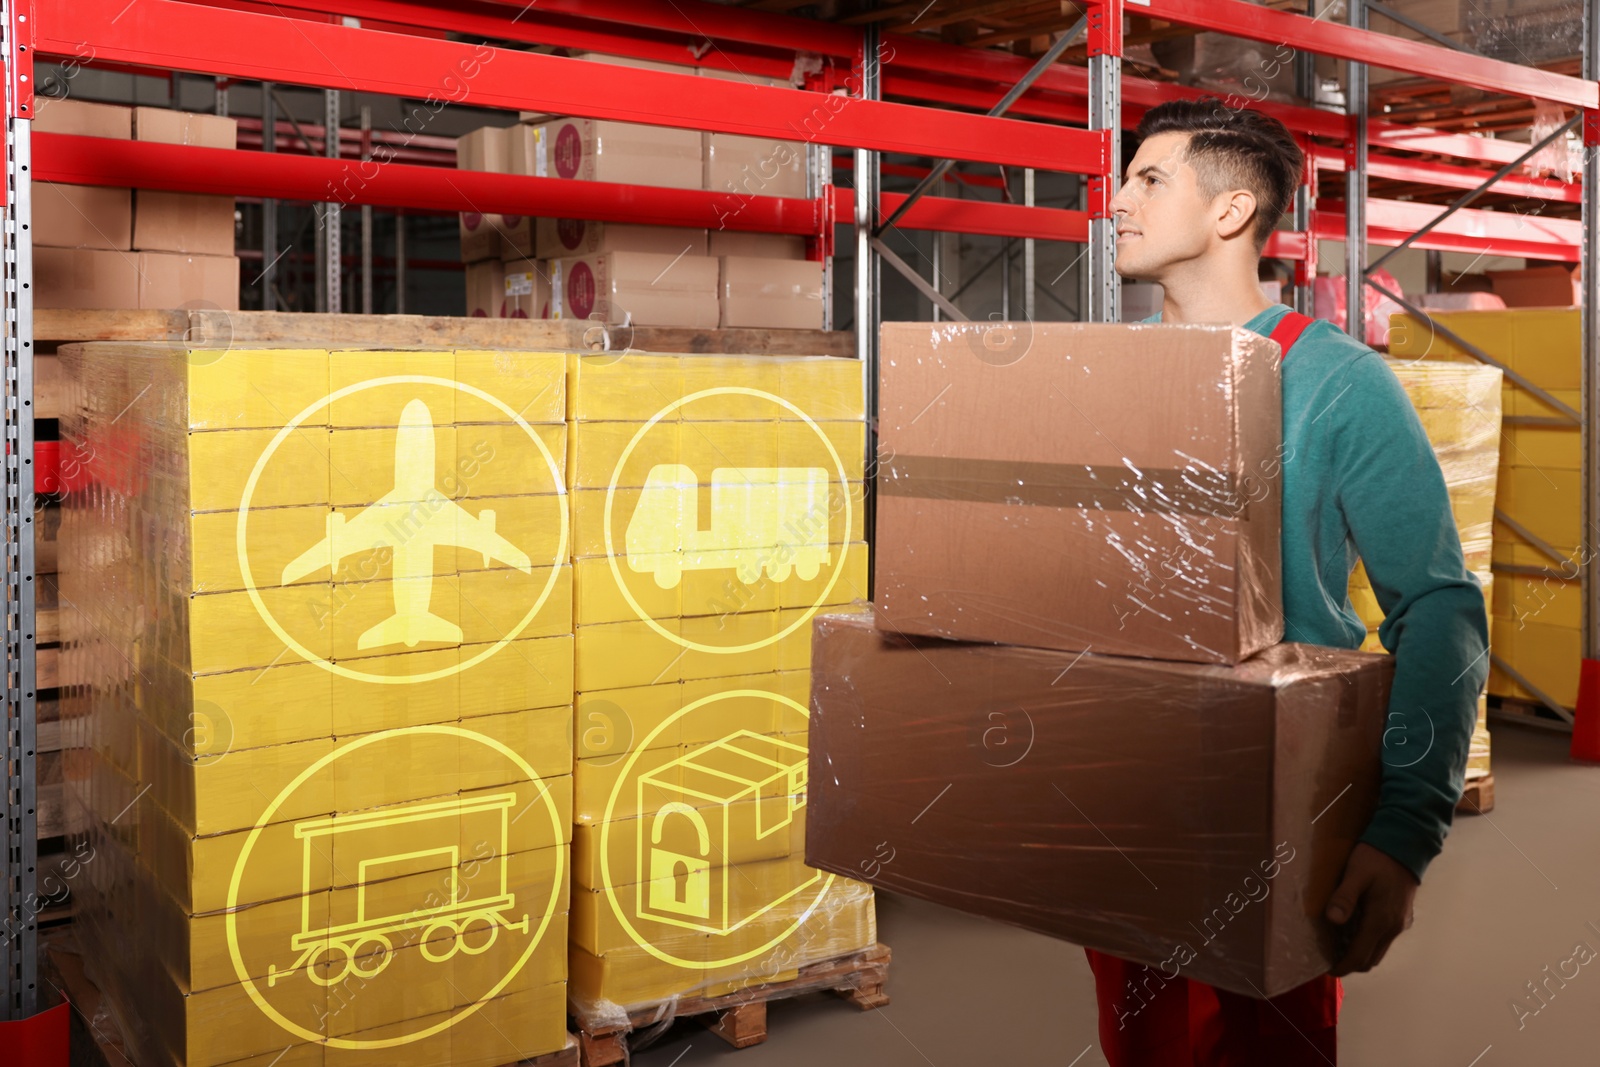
(863, 90)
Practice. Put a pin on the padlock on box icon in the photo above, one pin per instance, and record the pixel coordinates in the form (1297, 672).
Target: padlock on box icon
(727, 800)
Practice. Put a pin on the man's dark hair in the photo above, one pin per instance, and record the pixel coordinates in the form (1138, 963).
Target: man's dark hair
(1234, 148)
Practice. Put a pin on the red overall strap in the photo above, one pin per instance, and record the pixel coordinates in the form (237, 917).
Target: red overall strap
(1288, 331)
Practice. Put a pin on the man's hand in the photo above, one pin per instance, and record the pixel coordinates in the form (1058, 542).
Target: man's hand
(1372, 905)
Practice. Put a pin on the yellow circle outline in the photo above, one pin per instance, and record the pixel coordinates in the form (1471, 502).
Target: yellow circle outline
(605, 836)
(611, 552)
(339, 669)
(237, 956)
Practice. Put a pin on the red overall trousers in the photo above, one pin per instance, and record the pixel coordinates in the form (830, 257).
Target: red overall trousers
(1148, 1019)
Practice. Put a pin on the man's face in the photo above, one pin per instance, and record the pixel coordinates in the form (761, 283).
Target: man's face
(1162, 216)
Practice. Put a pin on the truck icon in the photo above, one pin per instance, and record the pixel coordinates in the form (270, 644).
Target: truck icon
(762, 518)
(455, 918)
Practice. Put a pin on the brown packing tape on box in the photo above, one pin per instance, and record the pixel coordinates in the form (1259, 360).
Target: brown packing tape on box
(1007, 545)
(1237, 796)
(183, 222)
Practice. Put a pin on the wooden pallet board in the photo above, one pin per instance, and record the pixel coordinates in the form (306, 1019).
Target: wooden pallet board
(740, 1018)
(1478, 798)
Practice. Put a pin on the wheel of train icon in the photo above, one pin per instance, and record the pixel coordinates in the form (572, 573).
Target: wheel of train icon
(451, 920)
(762, 518)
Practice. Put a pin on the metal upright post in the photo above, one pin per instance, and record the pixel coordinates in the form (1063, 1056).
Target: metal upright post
(269, 206)
(938, 270)
(1029, 307)
(1589, 398)
(1105, 115)
(400, 262)
(868, 307)
(19, 940)
(819, 177)
(331, 265)
(366, 216)
(222, 96)
(1355, 191)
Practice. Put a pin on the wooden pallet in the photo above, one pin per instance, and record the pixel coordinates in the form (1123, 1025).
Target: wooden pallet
(740, 1018)
(97, 1039)
(1478, 797)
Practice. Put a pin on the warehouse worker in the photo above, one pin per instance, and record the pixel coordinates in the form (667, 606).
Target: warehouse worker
(1359, 479)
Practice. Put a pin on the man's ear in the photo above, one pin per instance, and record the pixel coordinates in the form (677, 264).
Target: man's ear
(1238, 212)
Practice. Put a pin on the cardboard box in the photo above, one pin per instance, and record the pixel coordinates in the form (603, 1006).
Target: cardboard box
(765, 245)
(82, 216)
(486, 148)
(770, 293)
(93, 278)
(486, 289)
(1551, 286)
(1080, 487)
(604, 151)
(183, 222)
(638, 287)
(527, 289)
(754, 166)
(1233, 794)
(576, 237)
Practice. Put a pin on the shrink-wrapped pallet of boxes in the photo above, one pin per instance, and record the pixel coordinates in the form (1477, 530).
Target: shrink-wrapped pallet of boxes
(716, 507)
(1460, 409)
(1538, 543)
(319, 696)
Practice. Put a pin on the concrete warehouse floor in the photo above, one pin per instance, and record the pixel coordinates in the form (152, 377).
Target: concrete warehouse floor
(1511, 894)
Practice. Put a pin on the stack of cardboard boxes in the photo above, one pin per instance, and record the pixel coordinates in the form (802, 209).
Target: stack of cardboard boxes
(1460, 410)
(648, 275)
(716, 507)
(1140, 765)
(320, 700)
(105, 247)
(1537, 603)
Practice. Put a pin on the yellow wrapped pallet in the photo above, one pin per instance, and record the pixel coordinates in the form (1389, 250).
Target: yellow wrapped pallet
(320, 693)
(1460, 408)
(1534, 628)
(716, 506)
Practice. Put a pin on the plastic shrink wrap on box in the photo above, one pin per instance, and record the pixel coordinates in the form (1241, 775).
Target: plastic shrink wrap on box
(318, 646)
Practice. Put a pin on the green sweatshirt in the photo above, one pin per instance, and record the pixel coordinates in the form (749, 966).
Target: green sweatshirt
(1360, 480)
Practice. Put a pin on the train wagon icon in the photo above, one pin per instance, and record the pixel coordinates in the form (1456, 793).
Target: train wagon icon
(459, 915)
(762, 518)
(740, 794)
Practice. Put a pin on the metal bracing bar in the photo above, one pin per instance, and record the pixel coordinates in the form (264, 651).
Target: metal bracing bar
(1589, 380)
(1420, 27)
(937, 174)
(1029, 302)
(1477, 353)
(1355, 191)
(269, 205)
(1516, 676)
(1545, 547)
(1472, 194)
(366, 216)
(913, 276)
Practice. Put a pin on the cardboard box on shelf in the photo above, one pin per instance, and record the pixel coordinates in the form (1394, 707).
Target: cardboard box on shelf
(527, 289)
(486, 289)
(765, 245)
(604, 151)
(576, 237)
(183, 222)
(95, 278)
(770, 293)
(488, 149)
(1549, 286)
(1280, 752)
(1006, 513)
(754, 166)
(82, 216)
(638, 287)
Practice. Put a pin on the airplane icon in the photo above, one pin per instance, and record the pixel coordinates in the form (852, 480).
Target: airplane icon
(413, 519)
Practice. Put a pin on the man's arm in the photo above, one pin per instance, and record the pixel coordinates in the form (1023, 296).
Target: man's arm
(1393, 497)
